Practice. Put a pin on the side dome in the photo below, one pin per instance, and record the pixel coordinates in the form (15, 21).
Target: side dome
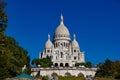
(75, 43)
(61, 31)
(48, 43)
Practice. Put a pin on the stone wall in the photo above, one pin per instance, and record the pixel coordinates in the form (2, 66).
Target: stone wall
(62, 71)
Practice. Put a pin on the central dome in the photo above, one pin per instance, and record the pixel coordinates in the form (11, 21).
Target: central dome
(61, 31)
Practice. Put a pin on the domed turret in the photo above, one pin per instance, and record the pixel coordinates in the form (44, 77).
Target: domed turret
(75, 43)
(61, 31)
(48, 44)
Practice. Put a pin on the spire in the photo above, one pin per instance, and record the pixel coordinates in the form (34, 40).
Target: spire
(61, 19)
(48, 36)
(74, 37)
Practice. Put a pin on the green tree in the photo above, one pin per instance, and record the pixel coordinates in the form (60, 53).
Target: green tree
(105, 69)
(12, 56)
(43, 62)
(3, 16)
(116, 66)
(87, 64)
(36, 61)
(109, 69)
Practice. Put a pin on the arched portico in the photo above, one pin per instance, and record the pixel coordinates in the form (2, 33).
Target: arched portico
(61, 64)
(56, 64)
(66, 65)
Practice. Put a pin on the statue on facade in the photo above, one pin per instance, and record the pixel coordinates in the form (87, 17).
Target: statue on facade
(23, 68)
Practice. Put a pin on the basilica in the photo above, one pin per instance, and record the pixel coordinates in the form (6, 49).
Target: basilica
(62, 51)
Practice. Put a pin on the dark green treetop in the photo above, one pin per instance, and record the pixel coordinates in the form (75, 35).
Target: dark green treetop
(12, 56)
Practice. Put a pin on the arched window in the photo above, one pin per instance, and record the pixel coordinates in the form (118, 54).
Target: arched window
(56, 44)
(74, 50)
(56, 57)
(48, 51)
(66, 65)
(56, 64)
(61, 54)
(75, 58)
(64, 44)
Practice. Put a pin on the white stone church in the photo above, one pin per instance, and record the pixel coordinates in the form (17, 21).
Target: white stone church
(62, 50)
(64, 53)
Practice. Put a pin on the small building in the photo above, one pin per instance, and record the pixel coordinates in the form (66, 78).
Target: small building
(23, 77)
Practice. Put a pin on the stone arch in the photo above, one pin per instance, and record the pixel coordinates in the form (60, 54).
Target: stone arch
(56, 64)
(66, 65)
(67, 74)
(61, 64)
(54, 74)
(80, 75)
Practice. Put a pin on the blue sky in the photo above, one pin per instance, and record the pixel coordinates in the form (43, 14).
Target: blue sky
(96, 24)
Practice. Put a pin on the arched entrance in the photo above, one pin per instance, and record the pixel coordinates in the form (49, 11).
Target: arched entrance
(66, 65)
(67, 74)
(56, 64)
(61, 64)
(80, 75)
(54, 74)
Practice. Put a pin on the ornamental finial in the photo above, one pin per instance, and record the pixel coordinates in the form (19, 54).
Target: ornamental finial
(61, 19)
(74, 37)
(49, 36)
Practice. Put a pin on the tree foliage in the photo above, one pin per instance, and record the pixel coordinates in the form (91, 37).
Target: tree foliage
(43, 62)
(12, 56)
(87, 64)
(3, 16)
(109, 69)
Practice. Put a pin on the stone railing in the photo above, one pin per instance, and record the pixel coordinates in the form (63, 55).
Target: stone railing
(63, 68)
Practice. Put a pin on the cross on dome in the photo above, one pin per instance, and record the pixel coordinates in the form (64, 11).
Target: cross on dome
(49, 36)
(61, 19)
(74, 37)
(74, 42)
(48, 43)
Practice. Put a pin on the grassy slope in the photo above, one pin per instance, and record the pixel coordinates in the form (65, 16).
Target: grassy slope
(70, 78)
(106, 79)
